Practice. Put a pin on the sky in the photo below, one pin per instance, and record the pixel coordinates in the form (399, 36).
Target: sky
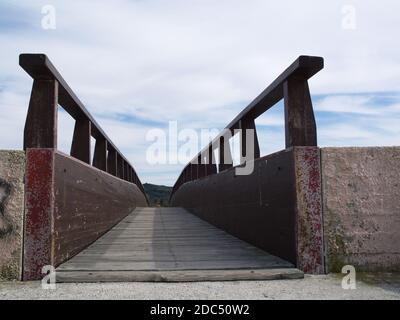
(138, 65)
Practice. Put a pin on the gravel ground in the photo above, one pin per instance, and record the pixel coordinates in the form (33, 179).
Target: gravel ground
(371, 286)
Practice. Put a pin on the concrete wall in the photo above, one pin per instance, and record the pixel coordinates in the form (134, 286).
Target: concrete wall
(12, 170)
(361, 206)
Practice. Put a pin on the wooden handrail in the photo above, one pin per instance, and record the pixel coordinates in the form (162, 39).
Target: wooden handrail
(49, 90)
(300, 126)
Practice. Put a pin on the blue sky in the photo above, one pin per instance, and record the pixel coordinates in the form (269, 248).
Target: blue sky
(137, 65)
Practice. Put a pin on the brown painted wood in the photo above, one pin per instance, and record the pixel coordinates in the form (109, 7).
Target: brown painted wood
(120, 167)
(112, 162)
(193, 171)
(304, 67)
(88, 202)
(259, 208)
(41, 129)
(244, 125)
(186, 174)
(300, 126)
(39, 206)
(300, 70)
(225, 155)
(135, 177)
(125, 167)
(80, 147)
(39, 67)
(211, 167)
(201, 168)
(41, 122)
(129, 173)
(100, 154)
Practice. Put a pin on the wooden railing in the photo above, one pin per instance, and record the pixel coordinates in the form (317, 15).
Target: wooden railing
(300, 127)
(70, 200)
(50, 90)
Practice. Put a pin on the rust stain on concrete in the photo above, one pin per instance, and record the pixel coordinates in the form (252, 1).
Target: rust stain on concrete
(309, 233)
(39, 208)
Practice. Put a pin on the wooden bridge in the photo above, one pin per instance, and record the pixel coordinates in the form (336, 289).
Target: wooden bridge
(171, 244)
(87, 214)
(301, 210)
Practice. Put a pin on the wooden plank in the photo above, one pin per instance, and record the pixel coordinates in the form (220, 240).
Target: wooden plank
(155, 249)
(166, 256)
(179, 276)
(88, 202)
(168, 265)
(259, 208)
(147, 242)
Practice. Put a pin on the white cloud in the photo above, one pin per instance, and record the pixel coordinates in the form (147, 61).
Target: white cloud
(345, 135)
(347, 104)
(198, 62)
(343, 132)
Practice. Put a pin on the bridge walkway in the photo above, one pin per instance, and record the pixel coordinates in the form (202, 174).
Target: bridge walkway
(171, 244)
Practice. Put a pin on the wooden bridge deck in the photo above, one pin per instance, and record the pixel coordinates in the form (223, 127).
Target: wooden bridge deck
(170, 244)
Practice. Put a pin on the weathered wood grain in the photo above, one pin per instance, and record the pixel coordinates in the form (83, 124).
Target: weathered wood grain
(88, 202)
(148, 246)
(179, 276)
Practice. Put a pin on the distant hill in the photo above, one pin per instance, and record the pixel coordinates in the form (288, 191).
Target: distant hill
(157, 195)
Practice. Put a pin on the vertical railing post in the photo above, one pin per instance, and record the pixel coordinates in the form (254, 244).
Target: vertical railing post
(80, 147)
(193, 172)
(134, 179)
(40, 143)
(211, 167)
(300, 127)
(187, 173)
(201, 167)
(41, 121)
(100, 154)
(120, 167)
(248, 124)
(225, 155)
(197, 165)
(112, 162)
(126, 174)
(129, 173)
